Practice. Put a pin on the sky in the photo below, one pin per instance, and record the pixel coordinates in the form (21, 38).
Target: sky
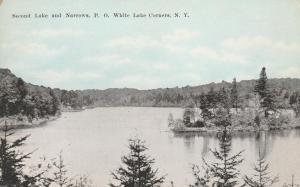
(220, 39)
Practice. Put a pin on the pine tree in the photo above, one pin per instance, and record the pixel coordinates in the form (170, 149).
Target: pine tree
(12, 160)
(82, 181)
(212, 99)
(225, 170)
(54, 102)
(21, 88)
(224, 100)
(60, 174)
(204, 107)
(266, 96)
(202, 176)
(234, 94)
(261, 83)
(189, 115)
(295, 102)
(137, 170)
(261, 177)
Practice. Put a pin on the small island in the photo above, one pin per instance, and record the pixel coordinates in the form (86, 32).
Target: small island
(265, 108)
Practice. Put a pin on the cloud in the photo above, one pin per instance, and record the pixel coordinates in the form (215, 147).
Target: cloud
(31, 48)
(205, 52)
(129, 42)
(246, 50)
(260, 43)
(264, 50)
(138, 81)
(218, 56)
(298, 3)
(107, 61)
(180, 35)
(55, 78)
(162, 66)
(289, 72)
(54, 33)
(169, 42)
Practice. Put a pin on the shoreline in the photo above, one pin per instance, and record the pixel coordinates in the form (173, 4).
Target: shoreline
(235, 130)
(13, 123)
(25, 124)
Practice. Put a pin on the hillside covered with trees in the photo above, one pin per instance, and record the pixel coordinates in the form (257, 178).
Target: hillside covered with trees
(26, 102)
(19, 97)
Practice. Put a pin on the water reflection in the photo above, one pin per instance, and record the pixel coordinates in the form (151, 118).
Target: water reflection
(189, 143)
(263, 141)
(205, 147)
(297, 133)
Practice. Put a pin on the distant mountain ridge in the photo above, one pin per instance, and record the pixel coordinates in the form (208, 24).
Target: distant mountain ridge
(161, 97)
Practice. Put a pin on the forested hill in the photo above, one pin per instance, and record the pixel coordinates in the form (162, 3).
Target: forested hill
(168, 97)
(17, 96)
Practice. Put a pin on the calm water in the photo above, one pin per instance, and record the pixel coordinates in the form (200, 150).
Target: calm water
(94, 140)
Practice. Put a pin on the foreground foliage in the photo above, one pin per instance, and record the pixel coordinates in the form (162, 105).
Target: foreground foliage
(12, 161)
(14, 171)
(137, 169)
(261, 178)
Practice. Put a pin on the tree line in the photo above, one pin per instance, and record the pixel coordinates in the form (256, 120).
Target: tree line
(18, 98)
(263, 101)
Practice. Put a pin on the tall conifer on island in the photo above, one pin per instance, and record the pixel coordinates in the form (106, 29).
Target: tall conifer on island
(261, 84)
(265, 95)
(234, 94)
(225, 171)
(137, 170)
(295, 102)
(204, 107)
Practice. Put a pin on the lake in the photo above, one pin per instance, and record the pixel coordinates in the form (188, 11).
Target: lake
(94, 140)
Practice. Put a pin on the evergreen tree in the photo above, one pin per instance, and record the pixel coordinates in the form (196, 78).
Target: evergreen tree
(60, 176)
(22, 88)
(212, 98)
(261, 177)
(204, 107)
(261, 84)
(202, 176)
(268, 102)
(234, 94)
(54, 102)
(295, 102)
(137, 170)
(12, 161)
(224, 100)
(189, 115)
(82, 181)
(225, 169)
(266, 96)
